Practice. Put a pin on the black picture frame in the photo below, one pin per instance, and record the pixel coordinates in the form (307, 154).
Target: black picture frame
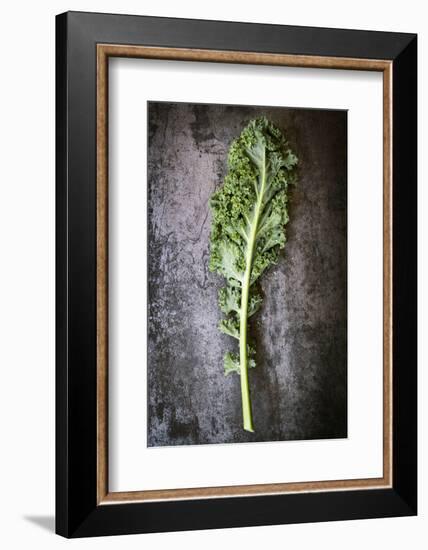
(78, 513)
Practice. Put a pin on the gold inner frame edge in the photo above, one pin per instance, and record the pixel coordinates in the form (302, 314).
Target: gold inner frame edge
(104, 51)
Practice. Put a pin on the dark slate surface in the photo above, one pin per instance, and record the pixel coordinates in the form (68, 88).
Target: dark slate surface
(299, 388)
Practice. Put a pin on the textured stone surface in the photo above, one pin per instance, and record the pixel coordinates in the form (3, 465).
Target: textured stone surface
(299, 388)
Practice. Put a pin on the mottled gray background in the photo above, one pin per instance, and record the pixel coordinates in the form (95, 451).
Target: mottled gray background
(299, 388)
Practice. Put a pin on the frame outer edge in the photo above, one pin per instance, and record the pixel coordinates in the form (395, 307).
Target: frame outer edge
(77, 513)
(61, 268)
(196, 33)
(405, 274)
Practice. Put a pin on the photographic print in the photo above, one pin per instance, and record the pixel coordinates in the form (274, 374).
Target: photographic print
(247, 274)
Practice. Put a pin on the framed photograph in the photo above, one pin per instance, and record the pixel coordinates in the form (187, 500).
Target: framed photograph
(236, 274)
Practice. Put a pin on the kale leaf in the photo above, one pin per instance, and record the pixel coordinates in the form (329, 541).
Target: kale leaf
(249, 214)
